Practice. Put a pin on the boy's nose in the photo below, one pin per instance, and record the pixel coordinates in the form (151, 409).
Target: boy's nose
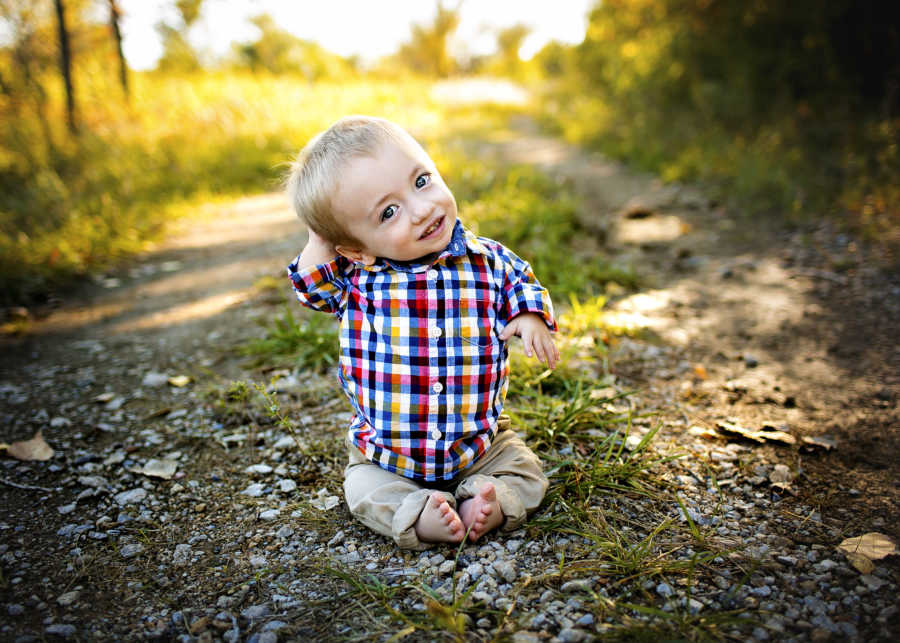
(420, 210)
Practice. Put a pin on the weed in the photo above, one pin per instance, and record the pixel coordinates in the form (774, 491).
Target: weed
(310, 343)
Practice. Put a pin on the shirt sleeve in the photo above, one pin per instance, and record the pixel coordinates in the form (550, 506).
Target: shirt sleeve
(320, 287)
(523, 293)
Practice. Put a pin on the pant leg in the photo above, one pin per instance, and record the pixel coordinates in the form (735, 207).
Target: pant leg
(517, 476)
(388, 503)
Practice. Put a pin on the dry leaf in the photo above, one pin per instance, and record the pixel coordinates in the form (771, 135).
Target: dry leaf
(862, 564)
(179, 381)
(703, 432)
(33, 449)
(766, 434)
(812, 443)
(700, 372)
(873, 546)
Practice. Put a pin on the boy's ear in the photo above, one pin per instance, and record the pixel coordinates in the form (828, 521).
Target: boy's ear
(354, 255)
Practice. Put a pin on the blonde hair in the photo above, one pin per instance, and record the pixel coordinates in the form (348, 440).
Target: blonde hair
(313, 177)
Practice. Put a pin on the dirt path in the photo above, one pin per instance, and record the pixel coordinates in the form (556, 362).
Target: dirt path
(768, 326)
(746, 321)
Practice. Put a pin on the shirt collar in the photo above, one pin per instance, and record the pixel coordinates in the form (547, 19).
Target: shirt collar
(461, 240)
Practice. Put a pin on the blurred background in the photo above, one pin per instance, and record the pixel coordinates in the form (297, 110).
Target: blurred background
(118, 117)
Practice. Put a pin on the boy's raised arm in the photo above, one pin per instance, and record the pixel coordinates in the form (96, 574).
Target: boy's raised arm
(317, 251)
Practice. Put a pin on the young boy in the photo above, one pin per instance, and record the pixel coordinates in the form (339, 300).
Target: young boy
(425, 309)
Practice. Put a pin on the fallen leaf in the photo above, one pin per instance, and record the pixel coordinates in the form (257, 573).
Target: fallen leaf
(703, 432)
(179, 381)
(862, 564)
(873, 546)
(813, 443)
(30, 450)
(766, 434)
(324, 502)
(700, 372)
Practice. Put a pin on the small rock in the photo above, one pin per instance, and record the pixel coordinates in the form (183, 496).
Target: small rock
(132, 497)
(154, 380)
(872, 582)
(287, 486)
(14, 609)
(131, 550)
(570, 635)
(95, 482)
(60, 629)
(67, 509)
(260, 469)
(506, 570)
(68, 599)
(182, 555)
(665, 590)
(285, 532)
(269, 514)
(750, 361)
(255, 490)
(578, 585)
(585, 621)
(512, 546)
(255, 612)
(446, 567)
(258, 561)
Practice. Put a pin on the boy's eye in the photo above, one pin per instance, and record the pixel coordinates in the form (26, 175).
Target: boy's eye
(389, 211)
(422, 180)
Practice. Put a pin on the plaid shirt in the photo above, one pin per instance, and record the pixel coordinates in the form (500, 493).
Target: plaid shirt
(421, 359)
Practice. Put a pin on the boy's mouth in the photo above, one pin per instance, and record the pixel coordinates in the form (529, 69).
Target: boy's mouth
(432, 229)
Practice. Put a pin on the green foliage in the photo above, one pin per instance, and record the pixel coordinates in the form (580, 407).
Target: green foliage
(779, 106)
(310, 343)
(69, 206)
(279, 52)
(428, 50)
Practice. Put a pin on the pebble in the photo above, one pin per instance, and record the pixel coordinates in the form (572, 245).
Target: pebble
(578, 585)
(269, 514)
(131, 550)
(255, 612)
(60, 629)
(132, 497)
(68, 599)
(506, 570)
(665, 590)
(255, 490)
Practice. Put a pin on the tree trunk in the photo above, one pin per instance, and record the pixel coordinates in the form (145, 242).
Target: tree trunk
(65, 63)
(114, 15)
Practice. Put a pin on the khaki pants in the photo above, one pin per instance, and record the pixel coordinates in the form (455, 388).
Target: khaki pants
(390, 503)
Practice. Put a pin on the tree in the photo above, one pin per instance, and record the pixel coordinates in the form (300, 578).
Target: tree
(114, 16)
(65, 64)
(428, 51)
(178, 54)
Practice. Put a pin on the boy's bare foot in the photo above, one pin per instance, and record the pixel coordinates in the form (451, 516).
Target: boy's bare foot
(438, 522)
(481, 512)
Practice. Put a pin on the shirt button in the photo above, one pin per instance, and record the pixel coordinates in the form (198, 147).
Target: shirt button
(435, 434)
(437, 387)
(432, 275)
(435, 331)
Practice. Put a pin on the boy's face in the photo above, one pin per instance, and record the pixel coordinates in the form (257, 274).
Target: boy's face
(395, 203)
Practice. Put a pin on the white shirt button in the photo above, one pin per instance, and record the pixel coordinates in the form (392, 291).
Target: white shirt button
(435, 331)
(437, 387)
(435, 434)
(432, 274)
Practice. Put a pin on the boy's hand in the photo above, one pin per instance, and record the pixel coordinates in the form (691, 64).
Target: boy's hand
(536, 337)
(317, 251)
